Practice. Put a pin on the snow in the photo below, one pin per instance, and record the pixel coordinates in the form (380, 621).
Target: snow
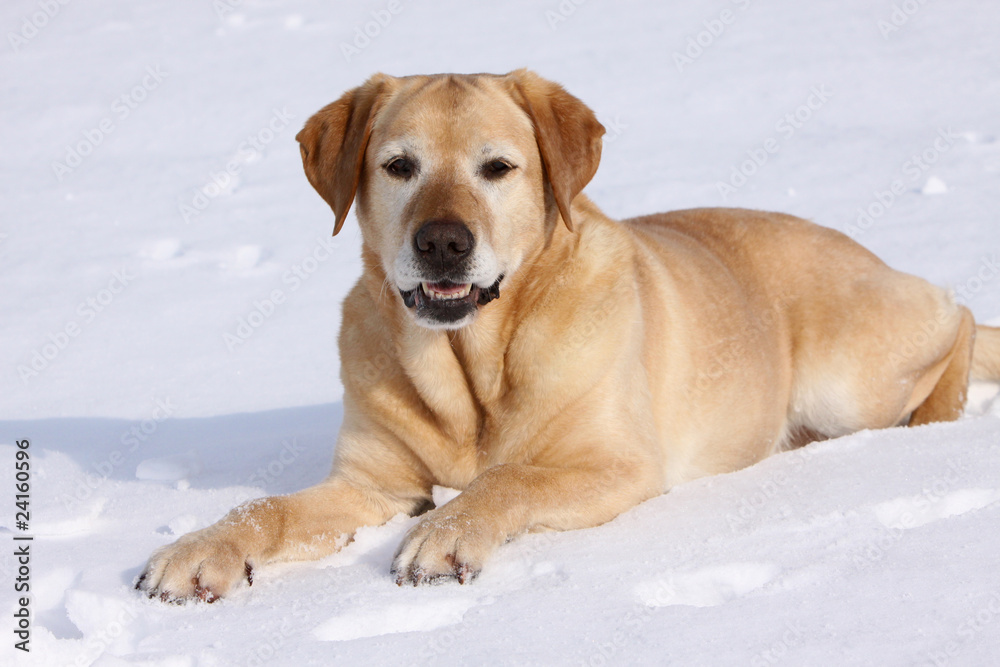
(147, 421)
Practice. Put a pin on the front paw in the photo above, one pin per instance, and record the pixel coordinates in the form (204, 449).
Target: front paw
(203, 565)
(446, 544)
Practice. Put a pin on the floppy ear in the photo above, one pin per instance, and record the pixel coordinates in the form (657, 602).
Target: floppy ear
(333, 144)
(568, 135)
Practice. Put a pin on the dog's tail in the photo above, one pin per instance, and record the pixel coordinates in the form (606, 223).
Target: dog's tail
(986, 354)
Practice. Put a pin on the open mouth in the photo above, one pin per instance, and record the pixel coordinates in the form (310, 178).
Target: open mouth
(447, 301)
(446, 290)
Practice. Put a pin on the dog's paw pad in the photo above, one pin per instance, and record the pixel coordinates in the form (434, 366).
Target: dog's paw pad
(706, 587)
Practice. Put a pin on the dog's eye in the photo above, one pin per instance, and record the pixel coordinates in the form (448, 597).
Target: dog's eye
(400, 167)
(496, 169)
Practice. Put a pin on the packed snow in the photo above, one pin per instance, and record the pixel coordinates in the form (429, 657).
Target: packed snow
(169, 302)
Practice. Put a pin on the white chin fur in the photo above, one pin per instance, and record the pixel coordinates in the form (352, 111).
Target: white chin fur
(444, 326)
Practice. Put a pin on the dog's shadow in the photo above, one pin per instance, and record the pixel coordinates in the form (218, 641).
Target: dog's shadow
(278, 451)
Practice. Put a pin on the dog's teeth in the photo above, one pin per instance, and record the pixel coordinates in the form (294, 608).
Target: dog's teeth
(435, 294)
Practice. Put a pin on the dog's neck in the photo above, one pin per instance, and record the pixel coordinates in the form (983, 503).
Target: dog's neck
(461, 374)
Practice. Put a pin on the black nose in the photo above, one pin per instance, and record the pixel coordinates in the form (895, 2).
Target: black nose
(443, 244)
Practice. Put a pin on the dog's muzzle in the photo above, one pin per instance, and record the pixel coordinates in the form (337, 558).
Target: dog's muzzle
(448, 295)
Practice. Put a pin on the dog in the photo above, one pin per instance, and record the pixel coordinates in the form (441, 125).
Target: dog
(509, 340)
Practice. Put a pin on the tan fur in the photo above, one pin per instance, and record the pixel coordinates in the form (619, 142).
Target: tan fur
(986, 357)
(622, 358)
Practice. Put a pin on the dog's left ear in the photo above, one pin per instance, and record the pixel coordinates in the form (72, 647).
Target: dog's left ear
(568, 135)
(333, 144)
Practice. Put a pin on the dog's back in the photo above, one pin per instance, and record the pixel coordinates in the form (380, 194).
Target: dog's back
(858, 344)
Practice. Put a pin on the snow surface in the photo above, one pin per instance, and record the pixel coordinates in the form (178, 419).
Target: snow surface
(878, 548)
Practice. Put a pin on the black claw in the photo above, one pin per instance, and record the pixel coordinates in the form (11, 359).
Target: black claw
(138, 583)
(249, 572)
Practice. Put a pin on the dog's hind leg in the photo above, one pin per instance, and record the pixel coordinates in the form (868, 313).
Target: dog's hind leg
(986, 355)
(946, 399)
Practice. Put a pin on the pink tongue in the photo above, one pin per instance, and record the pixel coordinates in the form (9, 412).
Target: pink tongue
(446, 288)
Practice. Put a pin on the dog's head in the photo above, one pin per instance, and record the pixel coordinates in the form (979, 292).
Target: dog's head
(458, 178)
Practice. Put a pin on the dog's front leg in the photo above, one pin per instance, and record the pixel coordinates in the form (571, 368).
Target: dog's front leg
(310, 524)
(453, 541)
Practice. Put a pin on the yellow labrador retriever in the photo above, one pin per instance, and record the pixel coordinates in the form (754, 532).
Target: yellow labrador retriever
(508, 339)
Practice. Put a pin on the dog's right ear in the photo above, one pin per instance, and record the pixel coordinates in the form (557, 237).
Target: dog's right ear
(333, 144)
